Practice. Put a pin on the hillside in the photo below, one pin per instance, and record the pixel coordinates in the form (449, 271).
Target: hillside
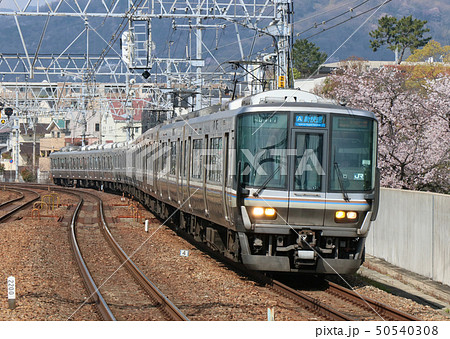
(339, 43)
(436, 12)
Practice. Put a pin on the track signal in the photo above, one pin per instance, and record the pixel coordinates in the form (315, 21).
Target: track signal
(282, 81)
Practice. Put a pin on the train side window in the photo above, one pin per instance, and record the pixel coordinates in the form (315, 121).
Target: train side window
(165, 154)
(197, 159)
(214, 165)
(173, 157)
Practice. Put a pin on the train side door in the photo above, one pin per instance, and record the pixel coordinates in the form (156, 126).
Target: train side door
(226, 177)
(307, 180)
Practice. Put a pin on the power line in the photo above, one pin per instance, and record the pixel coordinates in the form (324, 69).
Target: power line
(333, 18)
(351, 18)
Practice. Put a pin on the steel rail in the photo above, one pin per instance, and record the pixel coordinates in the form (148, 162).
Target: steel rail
(309, 302)
(94, 293)
(370, 303)
(12, 200)
(18, 208)
(168, 307)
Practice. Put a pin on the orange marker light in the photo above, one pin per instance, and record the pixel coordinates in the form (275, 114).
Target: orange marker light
(270, 212)
(340, 215)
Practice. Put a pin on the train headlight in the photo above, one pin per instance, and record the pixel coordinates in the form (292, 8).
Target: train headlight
(352, 215)
(270, 212)
(258, 212)
(264, 213)
(345, 216)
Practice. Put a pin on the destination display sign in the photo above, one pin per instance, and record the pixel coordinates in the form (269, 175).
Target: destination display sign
(309, 120)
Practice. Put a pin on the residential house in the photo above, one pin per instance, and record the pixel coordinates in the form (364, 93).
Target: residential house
(53, 140)
(119, 123)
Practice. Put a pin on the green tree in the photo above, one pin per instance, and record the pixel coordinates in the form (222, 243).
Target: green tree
(306, 58)
(399, 35)
(432, 49)
(27, 175)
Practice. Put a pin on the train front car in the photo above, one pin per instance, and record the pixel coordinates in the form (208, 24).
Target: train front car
(308, 184)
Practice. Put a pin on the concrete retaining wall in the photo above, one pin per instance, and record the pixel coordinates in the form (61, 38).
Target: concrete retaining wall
(412, 231)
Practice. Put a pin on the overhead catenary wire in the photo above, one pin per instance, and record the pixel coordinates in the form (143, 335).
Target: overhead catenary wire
(351, 18)
(333, 18)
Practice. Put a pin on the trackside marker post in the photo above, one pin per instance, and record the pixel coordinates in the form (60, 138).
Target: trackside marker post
(271, 314)
(146, 225)
(11, 293)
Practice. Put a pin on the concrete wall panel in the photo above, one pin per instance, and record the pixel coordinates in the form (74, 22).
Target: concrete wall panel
(412, 232)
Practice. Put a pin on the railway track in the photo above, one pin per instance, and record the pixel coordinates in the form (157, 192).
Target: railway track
(88, 223)
(131, 285)
(26, 198)
(7, 202)
(383, 310)
(103, 265)
(346, 304)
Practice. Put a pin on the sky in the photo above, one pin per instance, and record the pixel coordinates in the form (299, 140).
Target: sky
(11, 5)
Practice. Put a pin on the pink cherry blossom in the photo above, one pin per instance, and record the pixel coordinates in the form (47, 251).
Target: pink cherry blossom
(414, 121)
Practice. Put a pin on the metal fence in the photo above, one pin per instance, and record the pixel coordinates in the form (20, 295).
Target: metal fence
(412, 231)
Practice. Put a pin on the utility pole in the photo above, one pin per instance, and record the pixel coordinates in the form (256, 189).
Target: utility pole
(16, 131)
(198, 56)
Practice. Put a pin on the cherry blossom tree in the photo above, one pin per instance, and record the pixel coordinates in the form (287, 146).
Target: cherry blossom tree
(414, 137)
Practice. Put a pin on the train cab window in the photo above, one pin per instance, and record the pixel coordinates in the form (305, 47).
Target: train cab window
(261, 149)
(197, 159)
(214, 167)
(353, 153)
(308, 167)
(173, 157)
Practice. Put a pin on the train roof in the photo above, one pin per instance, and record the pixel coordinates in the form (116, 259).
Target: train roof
(282, 100)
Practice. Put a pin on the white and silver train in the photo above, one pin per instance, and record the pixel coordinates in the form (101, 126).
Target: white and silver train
(282, 181)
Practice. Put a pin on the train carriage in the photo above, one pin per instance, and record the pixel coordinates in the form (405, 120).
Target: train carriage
(281, 181)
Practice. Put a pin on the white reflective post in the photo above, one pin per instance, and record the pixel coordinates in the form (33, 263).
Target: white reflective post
(11, 293)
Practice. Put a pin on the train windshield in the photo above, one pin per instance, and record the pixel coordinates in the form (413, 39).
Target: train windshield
(262, 141)
(353, 154)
